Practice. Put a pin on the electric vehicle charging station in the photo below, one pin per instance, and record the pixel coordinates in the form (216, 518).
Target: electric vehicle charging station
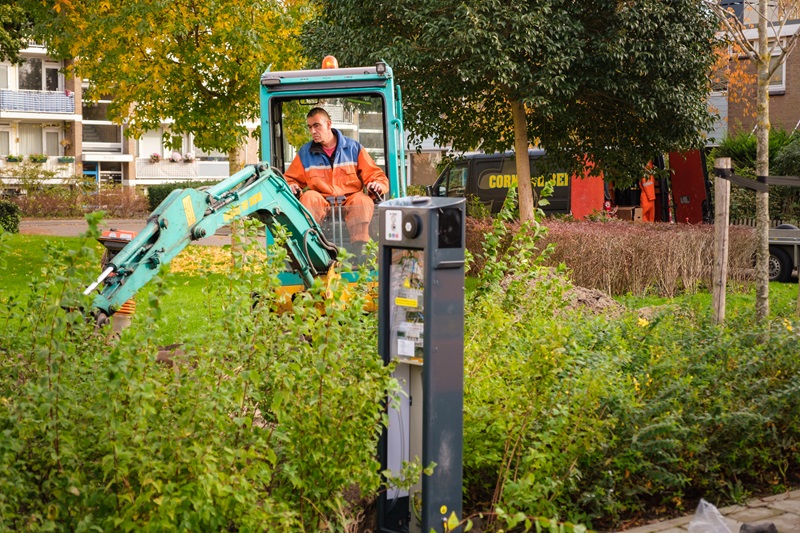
(421, 327)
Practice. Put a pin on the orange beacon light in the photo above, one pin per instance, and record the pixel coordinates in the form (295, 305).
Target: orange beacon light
(330, 62)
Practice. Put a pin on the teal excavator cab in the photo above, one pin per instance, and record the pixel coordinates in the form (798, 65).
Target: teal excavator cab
(363, 103)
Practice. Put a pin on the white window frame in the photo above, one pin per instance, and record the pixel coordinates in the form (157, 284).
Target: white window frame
(9, 74)
(57, 131)
(12, 146)
(777, 82)
(109, 147)
(46, 64)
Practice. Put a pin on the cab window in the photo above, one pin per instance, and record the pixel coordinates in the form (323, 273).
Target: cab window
(360, 118)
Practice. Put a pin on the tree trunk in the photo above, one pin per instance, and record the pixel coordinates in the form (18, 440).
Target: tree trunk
(235, 160)
(235, 164)
(762, 167)
(525, 188)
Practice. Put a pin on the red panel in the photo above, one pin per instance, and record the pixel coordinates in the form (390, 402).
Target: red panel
(586, 195)
(688, 186)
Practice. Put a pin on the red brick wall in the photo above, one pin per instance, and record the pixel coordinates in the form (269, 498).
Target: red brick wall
(784, 109)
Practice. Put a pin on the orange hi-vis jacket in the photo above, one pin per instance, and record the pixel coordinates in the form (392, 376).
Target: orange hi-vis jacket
(648, 187)
(648, 198)
(351, 169)
(344, 175)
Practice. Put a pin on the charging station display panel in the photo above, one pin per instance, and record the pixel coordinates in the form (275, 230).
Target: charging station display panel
(407, 285)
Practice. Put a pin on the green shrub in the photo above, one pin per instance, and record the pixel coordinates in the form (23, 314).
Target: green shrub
(696, 410)
(741, 147)
(9, 216)
(784, 160)
(265, 422)
(596, 420)
(785, 201)
(157, 193)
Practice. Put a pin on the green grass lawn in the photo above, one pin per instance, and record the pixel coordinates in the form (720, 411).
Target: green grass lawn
(782, 300)
(188, 301)
(184, 307)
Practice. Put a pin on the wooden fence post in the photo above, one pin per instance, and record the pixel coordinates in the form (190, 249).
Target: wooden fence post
(722, 196)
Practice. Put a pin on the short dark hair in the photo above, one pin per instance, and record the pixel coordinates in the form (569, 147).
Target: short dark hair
(318, 111)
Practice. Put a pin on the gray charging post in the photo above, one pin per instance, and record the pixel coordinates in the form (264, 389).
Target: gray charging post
(421, 327)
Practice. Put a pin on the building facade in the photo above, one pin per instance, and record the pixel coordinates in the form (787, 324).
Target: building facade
(44, 119)
(736, 103)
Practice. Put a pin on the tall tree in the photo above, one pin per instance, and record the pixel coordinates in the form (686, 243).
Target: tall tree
(14, 24)
(768, 52)
(609, 81)
(196, 64)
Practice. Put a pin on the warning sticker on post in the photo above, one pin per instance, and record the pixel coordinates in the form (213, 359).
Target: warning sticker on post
(405, 347)
(394, 221)
(406, 302)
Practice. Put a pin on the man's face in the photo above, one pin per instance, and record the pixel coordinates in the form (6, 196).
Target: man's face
(320, 128)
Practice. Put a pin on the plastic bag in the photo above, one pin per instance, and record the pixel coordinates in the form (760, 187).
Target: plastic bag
(707, 519)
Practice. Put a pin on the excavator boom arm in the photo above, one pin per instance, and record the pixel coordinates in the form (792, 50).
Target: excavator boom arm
(191, 214)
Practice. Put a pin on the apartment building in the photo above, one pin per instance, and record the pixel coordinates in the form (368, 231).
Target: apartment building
(44, 119)
(736, 105)
(39, 109)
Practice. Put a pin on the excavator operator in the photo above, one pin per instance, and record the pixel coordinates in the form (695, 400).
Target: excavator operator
(647, 197)
(331, 169)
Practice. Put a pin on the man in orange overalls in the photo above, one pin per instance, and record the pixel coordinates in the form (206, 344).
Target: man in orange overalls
(648, 196)
(335, 166)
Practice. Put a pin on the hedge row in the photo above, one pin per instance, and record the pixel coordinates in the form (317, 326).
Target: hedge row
(624, 258)
(157, 193)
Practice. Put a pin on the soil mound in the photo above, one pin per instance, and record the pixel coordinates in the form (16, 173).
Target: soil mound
(592, 301)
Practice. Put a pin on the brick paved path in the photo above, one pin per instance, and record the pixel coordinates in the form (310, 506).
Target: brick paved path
(783, 510)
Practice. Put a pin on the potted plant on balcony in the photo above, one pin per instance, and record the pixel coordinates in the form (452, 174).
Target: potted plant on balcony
(11, 158)
(188, 157)
(155, 157)
(38, 158)
(66, 159)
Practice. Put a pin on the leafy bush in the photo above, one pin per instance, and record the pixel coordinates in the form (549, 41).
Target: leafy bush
(43, 194)
(595, 420)
(157, 193)
(265, 422)
(9, 216)
(741, 147)
(696, 410)
(785, 201)
(787, 161)
(784, 160)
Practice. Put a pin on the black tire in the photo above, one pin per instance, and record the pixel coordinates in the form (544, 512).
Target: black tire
(780, 265)
(787, 226)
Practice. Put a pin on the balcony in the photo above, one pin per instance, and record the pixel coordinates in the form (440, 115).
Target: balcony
(37, 101)
(58, 171)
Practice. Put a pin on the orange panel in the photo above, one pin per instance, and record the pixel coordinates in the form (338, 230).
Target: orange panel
(586, 195)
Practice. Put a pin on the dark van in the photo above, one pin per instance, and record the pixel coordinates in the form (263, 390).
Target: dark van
(487, 178)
